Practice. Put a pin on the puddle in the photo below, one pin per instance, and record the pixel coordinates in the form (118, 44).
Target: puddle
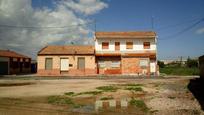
(106, 104)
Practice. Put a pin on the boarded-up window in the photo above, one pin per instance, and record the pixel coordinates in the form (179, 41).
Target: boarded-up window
(115, 64)
(129, 45)
(81, 63)
(144, 63)
(117, 46)
(105, 45)
(48, 63)
(146, 45)
(101, 64)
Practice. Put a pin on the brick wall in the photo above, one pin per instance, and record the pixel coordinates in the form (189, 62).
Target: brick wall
(53, 72)
(130, 65)
(80, 72)
(71, 72)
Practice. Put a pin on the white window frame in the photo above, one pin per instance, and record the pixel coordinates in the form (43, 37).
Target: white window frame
(101, 64)
(144, 62)
(115, 64)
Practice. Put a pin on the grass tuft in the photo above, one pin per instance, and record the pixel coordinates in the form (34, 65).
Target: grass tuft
(134, 88)
(107, 88)
(140, 104)
(60, 100)
(90, 92)
(69, 93)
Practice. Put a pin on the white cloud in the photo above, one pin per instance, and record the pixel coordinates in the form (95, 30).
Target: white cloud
(200, 31)
(31, 40)
(86, 7)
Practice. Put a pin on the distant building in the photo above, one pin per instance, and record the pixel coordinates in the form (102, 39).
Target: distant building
(176, 61)
(14, 63)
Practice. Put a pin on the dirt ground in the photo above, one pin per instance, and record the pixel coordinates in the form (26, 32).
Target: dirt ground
(161, 96)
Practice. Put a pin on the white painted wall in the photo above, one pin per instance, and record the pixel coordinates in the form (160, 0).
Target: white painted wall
(137, 44)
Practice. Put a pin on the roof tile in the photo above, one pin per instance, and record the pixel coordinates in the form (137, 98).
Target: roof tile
(135, 34)
(8, 53)
(66, 50)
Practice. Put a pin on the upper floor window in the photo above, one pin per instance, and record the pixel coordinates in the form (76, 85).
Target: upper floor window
(105, 45)
(146, 45)
(117, 46)
(129, 45)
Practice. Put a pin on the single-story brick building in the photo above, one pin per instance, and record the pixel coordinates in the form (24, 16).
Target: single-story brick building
(14, 63)
(66, 60)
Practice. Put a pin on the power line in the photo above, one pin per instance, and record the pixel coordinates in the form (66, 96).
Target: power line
(184, 30)
(177, 24)
(43, 27)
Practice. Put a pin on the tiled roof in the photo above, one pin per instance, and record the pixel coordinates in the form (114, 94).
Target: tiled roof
(136, 34)
(66, 50)
(8, 53)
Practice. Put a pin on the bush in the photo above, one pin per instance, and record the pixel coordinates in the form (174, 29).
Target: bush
(161, 64)
(192, 63)
(179, 71)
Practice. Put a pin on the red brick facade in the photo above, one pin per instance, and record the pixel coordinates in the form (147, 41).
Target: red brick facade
(53, 72)
(128, 65)
(74, 72)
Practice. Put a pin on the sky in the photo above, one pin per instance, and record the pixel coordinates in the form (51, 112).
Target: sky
(26, 26)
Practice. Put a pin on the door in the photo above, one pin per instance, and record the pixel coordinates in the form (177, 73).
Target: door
(64, 64)
(81, 63)
(152, 67)
(3, 68)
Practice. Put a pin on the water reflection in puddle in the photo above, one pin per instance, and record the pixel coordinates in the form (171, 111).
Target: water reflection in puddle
(105, 104)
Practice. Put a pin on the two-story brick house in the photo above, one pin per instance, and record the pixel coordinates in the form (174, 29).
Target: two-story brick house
(126, 53)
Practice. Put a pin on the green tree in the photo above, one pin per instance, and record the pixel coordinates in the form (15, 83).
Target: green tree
(192, 62)
(161, 64)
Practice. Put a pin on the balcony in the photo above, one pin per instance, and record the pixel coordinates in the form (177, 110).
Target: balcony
(127, 53)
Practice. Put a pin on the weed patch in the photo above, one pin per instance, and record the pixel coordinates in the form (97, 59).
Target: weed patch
(60, 100)
(140, 104)
(90, 92)
(69, 93)
(134, 89)
(107, 88)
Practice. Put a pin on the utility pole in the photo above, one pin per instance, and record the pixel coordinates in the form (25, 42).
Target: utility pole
(95, 26)
(152, 22)
(181, 61)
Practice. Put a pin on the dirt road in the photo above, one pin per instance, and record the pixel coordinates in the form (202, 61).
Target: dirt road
(161, 96)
